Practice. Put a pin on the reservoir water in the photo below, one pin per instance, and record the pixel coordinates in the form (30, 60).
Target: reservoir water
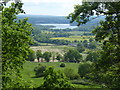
(59, 26)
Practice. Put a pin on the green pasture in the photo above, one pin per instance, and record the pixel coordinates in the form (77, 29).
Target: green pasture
(29, 74)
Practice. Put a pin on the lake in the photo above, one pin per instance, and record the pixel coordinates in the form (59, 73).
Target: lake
(59, 26)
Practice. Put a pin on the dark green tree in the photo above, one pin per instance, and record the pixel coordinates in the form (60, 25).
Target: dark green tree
(108, 32)
(71, 74)
(15, 45)
(47, 56)
(85, 68)
(93, 56)
(73, 55)
(39, 70)
(80, 48)
(31, 55)
(91, 39)
(38, 54)
(59, 57)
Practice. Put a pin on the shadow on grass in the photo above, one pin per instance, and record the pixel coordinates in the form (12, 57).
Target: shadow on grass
(36, 76)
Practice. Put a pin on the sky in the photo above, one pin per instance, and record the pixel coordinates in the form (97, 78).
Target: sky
(49, 7)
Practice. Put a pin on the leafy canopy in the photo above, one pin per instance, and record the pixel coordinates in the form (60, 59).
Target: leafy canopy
(108, 32)
(15, 45)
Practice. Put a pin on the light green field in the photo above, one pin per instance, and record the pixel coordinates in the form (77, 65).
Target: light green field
(29, 74)
(73, 38)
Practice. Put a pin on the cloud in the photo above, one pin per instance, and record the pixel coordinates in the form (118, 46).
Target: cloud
(49, 7)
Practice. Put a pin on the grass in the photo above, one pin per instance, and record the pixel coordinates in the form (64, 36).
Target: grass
(29, 74)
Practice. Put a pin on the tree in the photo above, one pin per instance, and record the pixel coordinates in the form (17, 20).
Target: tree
(15, 45)
(91, 39)
(55, 79)
(80, 48)
(59, 57)
(70, 73)
(73, 55)
(38, 54)
(31, 55)
(85, 68)
(53, 56)
(91, 45)
(93, 56)
(39, 70)
(108, 32)
(47, 56)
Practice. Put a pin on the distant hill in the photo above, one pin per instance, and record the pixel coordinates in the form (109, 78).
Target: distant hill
(46, 19)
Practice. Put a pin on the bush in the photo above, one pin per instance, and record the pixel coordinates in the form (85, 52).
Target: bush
(62, 65)
(39, 70)
(55, 79)
(85, 68)
(70, 73)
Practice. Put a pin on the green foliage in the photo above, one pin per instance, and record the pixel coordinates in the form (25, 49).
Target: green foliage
(74, 55)
(70, 73)
(31, 55)
(93, 56)
(15, 45)
(55, 79)
(107, 33)
(47, 56)
(90, 40)
(38, 54)
(62, 65)
(59, 57)
(85, 68)
(39, 70)
(81, 48)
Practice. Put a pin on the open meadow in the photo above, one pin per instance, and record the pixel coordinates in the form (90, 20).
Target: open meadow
(29, 74)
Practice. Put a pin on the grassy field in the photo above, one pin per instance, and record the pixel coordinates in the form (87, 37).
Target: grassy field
(29, 74)
(73, 38)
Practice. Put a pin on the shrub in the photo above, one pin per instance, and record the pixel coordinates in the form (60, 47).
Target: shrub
(55, 79)
(39, 70)
(70, 73)
(85, 68)
(62, 65)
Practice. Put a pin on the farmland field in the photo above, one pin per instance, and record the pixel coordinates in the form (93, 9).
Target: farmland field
(54, 48)
(73, 38)
(76, 33)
